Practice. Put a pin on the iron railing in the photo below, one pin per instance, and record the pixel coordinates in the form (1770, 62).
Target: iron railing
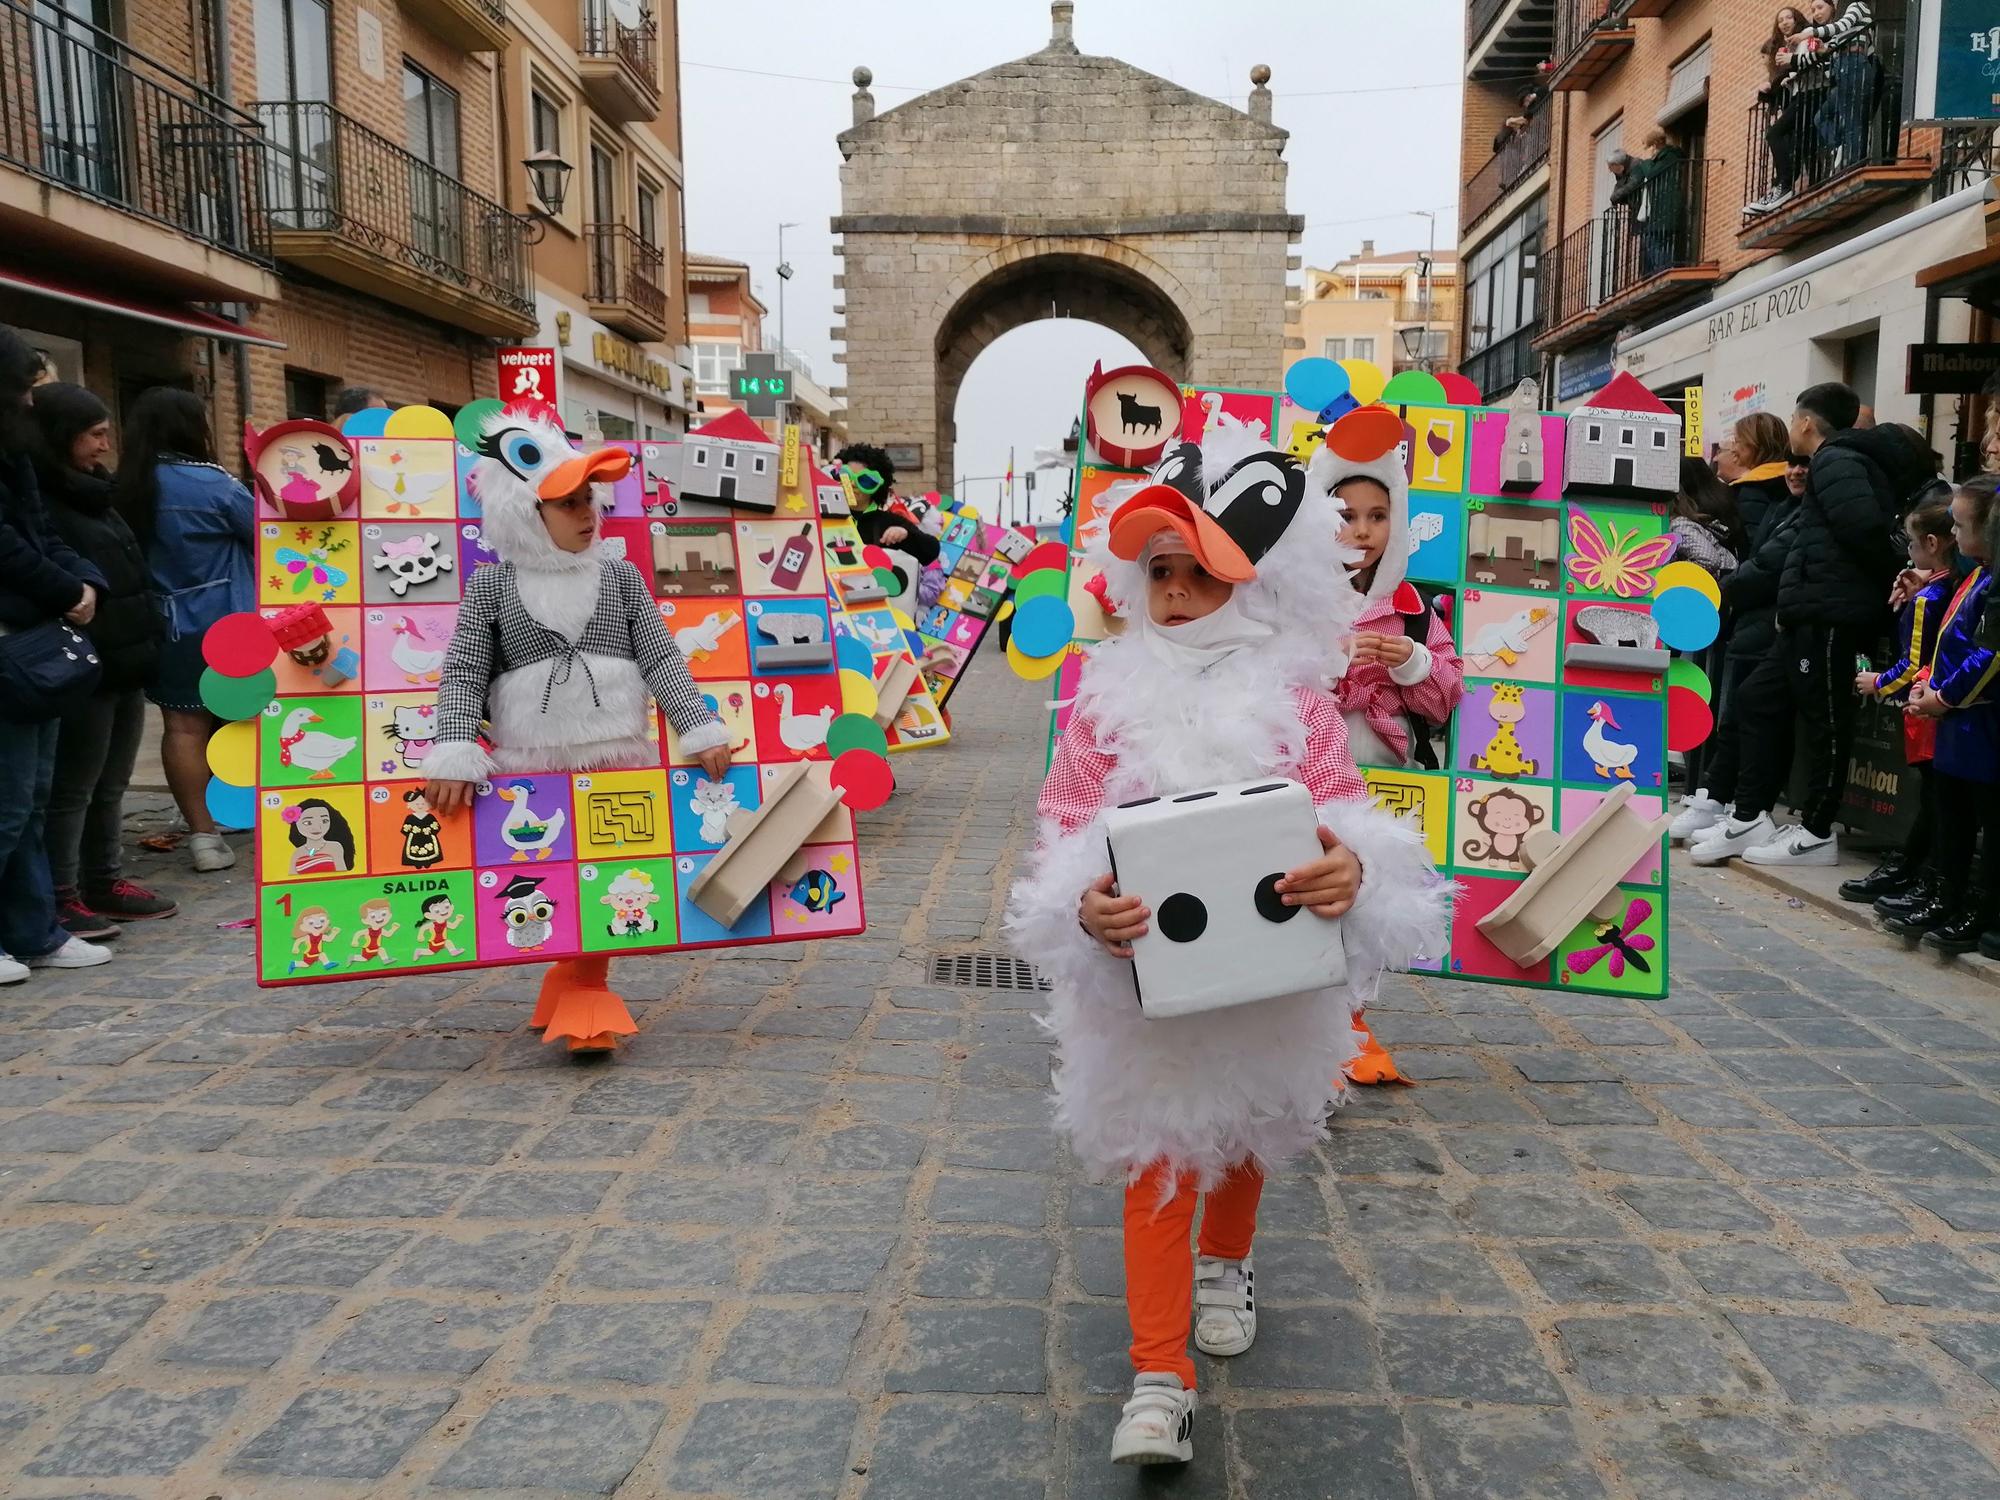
(1833, 119)
(1965, 155)
(1576, 20)
(80, 109)
(333, 175)
(1442, 307)
(1655, 229)
(605, 36)
(1504, 364)
(624, 268)
(1480, 15)
(1517, 157)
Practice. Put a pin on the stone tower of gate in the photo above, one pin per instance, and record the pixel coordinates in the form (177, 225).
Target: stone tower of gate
(1060, 185)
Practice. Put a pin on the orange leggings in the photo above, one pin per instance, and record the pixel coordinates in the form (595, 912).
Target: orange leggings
(1159, 1272)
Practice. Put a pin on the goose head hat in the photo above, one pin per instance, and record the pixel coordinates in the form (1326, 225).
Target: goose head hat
(1229, 506)
(525, 460)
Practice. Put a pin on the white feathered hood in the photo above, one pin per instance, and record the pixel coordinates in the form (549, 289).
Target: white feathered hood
(1330, 469)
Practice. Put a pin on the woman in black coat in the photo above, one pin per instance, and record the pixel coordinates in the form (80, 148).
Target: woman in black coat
(99, 740)
(41, 582)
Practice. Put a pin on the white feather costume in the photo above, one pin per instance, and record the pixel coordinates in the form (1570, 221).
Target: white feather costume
(1205, 1092)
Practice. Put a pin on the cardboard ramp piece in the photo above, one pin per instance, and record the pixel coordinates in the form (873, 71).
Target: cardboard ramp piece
(764, 840)
(1207, 863)
(895, 686)
(1572, 876)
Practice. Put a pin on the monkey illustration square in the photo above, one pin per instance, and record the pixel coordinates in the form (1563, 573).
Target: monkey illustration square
(1492, 819)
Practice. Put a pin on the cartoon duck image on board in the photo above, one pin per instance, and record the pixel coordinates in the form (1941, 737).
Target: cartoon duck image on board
(817, 892)
(1608, 757)
(412, 652)
(308, 749)
(524, 831)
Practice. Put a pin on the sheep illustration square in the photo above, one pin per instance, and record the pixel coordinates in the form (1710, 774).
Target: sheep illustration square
(623, 905)
(1608, 738)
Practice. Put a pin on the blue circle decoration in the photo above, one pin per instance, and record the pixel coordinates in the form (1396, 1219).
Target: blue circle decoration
(1313, 383)
(231, 806)
(853, 653)
(1687, 621)
(1043, 626)
(368, 423)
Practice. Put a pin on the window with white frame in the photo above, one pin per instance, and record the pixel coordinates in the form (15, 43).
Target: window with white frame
(1626, 437)
(1364, 349)
(1334, 348)
(1659, 437)
(712, 363)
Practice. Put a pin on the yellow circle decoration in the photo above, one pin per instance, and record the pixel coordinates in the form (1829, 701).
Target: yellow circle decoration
(857, 693)
(417, 422)
(1364, 381)
(1034, 668)
(232, 753)
(1687, 575)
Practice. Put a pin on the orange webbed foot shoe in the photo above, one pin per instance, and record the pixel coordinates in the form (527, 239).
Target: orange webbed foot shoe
(1374, 1065)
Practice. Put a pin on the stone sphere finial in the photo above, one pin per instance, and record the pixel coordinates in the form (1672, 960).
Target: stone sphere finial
(863, 77)
(1260, 75)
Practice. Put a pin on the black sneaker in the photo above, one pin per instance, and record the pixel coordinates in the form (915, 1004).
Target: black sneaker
(1960, 935)
(128, 901)
(1890, 878)
(1936, 913)
(78, 920)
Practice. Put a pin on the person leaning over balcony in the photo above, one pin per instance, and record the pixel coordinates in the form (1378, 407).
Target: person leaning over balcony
(197, 524)
(1787, 109)
(1847, 42)
(1655, 187)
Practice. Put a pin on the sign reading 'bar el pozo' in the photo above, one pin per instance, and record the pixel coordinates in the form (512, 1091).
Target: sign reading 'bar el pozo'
(1950, 369)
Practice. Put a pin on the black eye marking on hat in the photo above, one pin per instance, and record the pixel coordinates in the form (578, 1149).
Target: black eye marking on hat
(1180, 470)
(1255, 501)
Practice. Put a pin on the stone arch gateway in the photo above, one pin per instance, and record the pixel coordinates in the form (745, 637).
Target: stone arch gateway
(1057, 185)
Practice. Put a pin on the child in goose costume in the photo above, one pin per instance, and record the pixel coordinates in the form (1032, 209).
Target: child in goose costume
(1391, 674)
(556, 650)
(1208, 683)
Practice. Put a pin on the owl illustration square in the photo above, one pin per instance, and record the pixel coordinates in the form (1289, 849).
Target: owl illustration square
(525, 912)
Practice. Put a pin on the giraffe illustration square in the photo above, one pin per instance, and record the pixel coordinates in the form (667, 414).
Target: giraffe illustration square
(1506, 730)
(1608, 739)
(1512, 636)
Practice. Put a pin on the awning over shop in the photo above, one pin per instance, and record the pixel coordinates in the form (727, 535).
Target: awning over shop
(175, 315)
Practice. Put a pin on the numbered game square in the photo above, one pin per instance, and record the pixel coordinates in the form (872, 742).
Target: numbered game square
(1473, 955)
(697, 926)
(779, 557)
(1514, 546)
(408, 479)
(822, 899)
(625, 906)
(790, 638)
(1626, 955)
(406, 835)
(406, 646)
(331, 665)
(402, 729)
(523, 820)
(702, 807)
(1614, 551)
(1436, 438)
(308, 562)
(305, 740)
(622, 814)
(730, 702)
(316, 833)
(1491, 821)
(1513, 467)
(409, 563)
(526, 912)
(1578, 804)
(1507, 731)
(1437, 527)
(710, 635)
(694, 560)
(1417, 797)
(1515, 636)
(1608, 739)
(793, 714)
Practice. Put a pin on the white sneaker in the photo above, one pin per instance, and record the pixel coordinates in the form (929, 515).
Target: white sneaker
(1225, 1309)
(74, 954)
(1725, 841)
(1796, 845)
(211, 852)
(1157, 1426)
(12, 970)
(1698, 813)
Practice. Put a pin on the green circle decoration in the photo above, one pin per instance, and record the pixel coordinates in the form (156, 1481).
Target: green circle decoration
(237, 697)
(855, 732)
(1683, 673)
(1038, 583)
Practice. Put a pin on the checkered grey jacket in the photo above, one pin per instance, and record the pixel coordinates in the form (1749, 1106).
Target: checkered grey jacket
(497, 634)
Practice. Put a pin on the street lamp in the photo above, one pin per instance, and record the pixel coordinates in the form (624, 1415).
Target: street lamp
(548, 185)
(784, 275)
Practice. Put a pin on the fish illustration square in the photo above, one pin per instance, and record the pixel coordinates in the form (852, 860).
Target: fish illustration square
(1418, 797)
(301, 741)
(623, 905)
(409, 563)
(793, 714)
(1489, 440)
(406, 835)
(408, 479)
(1514, 636)
(406, 646)
(822, 900)
(1437, 526)
(1514, 546)
(697, 926)
(313, 833)
(334, 667)
(309, 562)
(1579, 803)
(711, 635)
(702, 807)
(780, 557)
(523, 820)
(1473, 955)
(525, 911)
(730, 702)
(1607, 739)
(1491, 821)
(1507, 731)
(1610, 622)
(621, 814)
(1624, 956)
(402, 728)
(1613, 551)
(1436, 439)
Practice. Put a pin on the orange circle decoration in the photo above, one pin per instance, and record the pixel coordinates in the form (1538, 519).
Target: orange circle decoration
(1365, 435)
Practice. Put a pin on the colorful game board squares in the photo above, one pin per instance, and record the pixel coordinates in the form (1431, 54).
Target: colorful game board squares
(621, 814)
(309, 562)
(702, 807)
(625, 905)
(519, 819)
(317, 833)
(526, 910)
(406, 835)
(711, 635)
(347, 928)
(305, 740)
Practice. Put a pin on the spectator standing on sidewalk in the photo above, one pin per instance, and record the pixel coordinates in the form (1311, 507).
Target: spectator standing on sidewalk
(1832, 608)
(42, 584)
(197, 525)
(99, 740)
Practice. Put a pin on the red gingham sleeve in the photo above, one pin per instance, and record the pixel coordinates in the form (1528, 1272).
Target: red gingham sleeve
(1438, 694)
(1328, 771)
(1074, 790)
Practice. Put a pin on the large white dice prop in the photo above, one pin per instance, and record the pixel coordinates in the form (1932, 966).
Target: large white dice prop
(1208, 864)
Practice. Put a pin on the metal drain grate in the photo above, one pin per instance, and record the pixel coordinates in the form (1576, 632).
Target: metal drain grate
(985, 971)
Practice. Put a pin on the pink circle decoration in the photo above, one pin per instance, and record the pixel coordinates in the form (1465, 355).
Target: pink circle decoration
(863, 779)
(1689, 719)
(240, 645)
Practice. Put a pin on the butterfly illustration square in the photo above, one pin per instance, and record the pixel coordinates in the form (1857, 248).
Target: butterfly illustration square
(1626, 955)
(1613, 552)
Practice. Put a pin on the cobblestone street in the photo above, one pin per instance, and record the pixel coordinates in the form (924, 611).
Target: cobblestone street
(809, 1236)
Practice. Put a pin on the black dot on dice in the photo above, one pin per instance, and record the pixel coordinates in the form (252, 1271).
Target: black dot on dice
(1270, 905)
(1182, 918)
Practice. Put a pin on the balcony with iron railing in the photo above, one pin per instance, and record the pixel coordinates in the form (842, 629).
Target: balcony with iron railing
(1637, 256)
(470, 25)
(356, 208)
(110, 160)
(1830, 147)
(620, 64)
(1518, 156)
(1503, 364)
(1440, 307)
(627, 281)
(1590, 37)
(1505, 39)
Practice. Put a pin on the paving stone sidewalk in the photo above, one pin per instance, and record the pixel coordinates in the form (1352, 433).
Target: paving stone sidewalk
(808, 1237)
